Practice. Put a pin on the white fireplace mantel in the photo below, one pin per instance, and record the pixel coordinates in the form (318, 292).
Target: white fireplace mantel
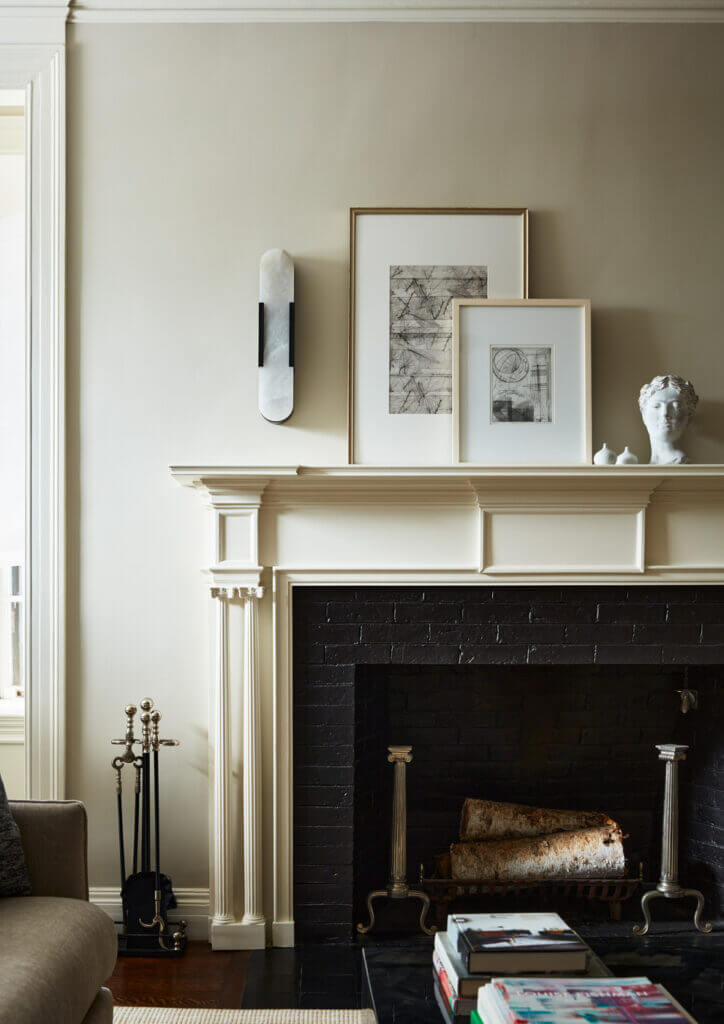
(275, 528)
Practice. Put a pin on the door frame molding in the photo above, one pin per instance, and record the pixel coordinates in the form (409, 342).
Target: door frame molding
(39, 69)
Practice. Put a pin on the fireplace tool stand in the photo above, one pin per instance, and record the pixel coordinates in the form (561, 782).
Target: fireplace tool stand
(146, 895)
(397, 887)
(668, 886)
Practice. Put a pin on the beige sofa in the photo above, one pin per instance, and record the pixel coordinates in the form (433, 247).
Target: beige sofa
(56, 949)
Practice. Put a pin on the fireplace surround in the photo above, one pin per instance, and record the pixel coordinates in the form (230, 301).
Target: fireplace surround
(548, 696)
(276, 531)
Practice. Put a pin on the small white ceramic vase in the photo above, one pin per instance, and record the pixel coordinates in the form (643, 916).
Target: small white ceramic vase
(604, 456)
(627, 458)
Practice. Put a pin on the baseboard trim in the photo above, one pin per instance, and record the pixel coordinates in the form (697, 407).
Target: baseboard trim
(283, 933)
(193, 906)
(236, 935)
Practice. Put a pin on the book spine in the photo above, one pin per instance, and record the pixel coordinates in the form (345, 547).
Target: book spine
(442, 953)
(442, 1004)
(444, 982)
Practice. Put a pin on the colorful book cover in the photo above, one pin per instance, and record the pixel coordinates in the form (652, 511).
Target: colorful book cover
(593, 1001)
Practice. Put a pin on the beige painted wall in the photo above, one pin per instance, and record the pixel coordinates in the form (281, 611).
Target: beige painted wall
(194, 149)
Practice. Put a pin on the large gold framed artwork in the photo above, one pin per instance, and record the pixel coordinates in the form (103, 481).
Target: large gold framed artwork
(406, 268)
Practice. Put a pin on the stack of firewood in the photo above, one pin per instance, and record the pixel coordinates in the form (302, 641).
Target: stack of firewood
(502, 842)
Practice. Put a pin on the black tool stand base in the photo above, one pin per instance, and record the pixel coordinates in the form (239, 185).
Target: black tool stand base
(145, 944)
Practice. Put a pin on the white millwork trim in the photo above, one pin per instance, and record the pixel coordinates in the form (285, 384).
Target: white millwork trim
(234, 581)
(198, 11)
(12, 729)
(223, 876)
(40, 71)
(193, 907)
(253, 919)
(26, 22)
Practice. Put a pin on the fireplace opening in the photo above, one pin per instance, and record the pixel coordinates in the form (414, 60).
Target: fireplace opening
(541, 719)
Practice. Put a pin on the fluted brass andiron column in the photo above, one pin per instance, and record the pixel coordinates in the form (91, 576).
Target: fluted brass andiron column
(668, 886)
(397, 887)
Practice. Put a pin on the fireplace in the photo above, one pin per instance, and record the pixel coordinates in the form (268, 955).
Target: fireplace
(546, 695)
(625, 567)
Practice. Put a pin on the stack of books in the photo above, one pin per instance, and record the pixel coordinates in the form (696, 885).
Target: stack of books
(516, 969)
(478, 946)
(576, 1001)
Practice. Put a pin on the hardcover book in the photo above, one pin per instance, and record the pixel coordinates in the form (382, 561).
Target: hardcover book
(574, 1000)
(516, 943)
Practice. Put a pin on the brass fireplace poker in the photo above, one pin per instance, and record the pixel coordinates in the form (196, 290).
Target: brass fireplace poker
(144, 893)
(118, 763)
(397, 887)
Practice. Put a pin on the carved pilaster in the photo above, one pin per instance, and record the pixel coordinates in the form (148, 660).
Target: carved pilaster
(253, 913)
(238, 919)
(223, 865)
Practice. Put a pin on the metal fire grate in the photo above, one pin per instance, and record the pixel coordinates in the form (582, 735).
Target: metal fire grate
(613, 891)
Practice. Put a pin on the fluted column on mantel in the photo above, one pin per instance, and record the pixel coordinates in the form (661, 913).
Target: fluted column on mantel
(223, 865)
(237, 916)
(253, 912)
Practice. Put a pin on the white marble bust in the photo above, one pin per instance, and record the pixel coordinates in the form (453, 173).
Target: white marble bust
(667, 406)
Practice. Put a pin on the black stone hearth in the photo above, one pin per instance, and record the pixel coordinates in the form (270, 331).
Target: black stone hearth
(394, 978)
(546, 695)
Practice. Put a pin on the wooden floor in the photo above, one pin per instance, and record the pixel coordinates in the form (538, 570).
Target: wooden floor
(200, 978)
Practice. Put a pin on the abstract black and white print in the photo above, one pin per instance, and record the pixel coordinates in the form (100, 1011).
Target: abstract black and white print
(421, 333)
(520, 385)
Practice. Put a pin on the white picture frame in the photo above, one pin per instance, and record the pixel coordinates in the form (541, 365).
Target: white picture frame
(521, 382)
(383, 428)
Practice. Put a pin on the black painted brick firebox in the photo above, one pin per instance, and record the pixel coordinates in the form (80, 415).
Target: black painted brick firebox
(548, 694)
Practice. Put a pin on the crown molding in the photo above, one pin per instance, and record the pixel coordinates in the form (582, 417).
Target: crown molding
(28, 22)
(226, 11)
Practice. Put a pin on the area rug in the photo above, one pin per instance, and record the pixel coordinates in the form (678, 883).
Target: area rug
(165, 1015)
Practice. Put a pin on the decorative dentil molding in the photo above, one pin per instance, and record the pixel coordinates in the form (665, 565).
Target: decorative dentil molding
(233, 592)
(221, 11)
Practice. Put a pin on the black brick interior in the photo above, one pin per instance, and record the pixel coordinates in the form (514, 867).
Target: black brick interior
(547, 695)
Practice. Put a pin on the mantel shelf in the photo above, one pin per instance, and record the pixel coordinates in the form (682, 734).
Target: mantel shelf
(455, 485)
(191, 475)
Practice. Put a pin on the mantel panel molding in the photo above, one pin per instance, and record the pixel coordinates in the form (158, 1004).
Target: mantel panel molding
(353, 526)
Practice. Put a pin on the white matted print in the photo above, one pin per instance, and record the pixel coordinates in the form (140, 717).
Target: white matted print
(521, 382)
(406, 268)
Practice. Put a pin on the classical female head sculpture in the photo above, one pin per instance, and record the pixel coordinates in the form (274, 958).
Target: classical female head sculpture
(667, 406)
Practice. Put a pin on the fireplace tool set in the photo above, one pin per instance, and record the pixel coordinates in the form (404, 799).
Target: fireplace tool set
(146, 894)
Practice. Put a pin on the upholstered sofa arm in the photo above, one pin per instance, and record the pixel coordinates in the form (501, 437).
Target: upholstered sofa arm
(54, 834)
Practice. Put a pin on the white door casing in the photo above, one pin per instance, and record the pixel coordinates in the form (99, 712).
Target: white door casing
(32, 58)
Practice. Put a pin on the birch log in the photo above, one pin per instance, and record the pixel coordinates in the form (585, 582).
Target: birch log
(488, 819)
(587, 853)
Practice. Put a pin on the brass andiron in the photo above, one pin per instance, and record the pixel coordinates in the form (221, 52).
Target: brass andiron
(397, 887)
(668, 886)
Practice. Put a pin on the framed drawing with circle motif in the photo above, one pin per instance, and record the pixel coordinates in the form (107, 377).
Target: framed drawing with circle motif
(521, 390)
(406, 267)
